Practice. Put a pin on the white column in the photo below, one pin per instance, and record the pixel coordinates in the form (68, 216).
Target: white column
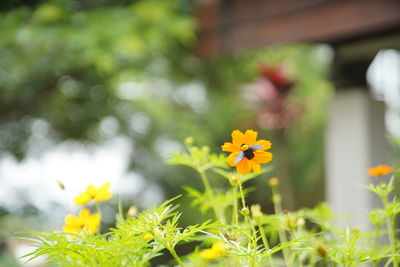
(355, 141)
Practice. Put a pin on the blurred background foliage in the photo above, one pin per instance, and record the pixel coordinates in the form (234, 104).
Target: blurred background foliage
(94, 70)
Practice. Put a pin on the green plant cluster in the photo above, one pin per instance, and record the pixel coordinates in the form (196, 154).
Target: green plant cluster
(241, 235)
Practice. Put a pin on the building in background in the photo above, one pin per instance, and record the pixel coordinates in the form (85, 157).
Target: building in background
(357, 31)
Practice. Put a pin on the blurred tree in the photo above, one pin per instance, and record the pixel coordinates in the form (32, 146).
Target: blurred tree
(94, 70)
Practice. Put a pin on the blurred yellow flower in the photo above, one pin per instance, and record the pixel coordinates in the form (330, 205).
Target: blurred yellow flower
(97, 194)
(147, 236)
(217, 249)
(85, 221)
(247, 153)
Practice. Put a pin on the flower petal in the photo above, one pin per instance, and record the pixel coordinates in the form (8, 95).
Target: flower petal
(231, 158)
(262, 156)
(84, 214)
(103, 193)
(71, 220)
(91, 190)
(82, 199)
(237, 138)
(265, 143)
(255, 166)
(71, 229)
(250, 137)
(243, 167)
(229, 147)
(209, 254)
(93, 223)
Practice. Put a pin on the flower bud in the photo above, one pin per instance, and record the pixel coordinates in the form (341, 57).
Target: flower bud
(189, 141)
(273, 182)
(300, 222)
(233, 180)
(60, 185)
(133, 211)
(322, 250)
(291, 223)
(256, 211)
(245, 211)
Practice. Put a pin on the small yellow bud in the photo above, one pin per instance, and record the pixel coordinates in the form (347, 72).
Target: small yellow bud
(322, 250)
(147, 236)
(234, 180)
(256, 211)
(291, 223)
(189, 141)
(60, 185)
(301, 222)
(245, 211)
(132, 211)
(273, 182)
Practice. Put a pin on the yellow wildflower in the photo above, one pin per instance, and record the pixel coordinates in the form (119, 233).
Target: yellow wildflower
(209, 254)
(247, 153)
(217, 249)
(85, 221)
(97, 194)
(147, 236)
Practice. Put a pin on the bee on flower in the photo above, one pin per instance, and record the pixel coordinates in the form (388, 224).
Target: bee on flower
(84, 222)
(247, 153)
(102, 193)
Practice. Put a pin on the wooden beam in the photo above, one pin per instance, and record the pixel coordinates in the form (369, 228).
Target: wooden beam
(232, 25)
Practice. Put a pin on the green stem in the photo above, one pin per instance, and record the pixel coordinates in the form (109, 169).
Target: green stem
(176, 257)
(241, 193)
(276, 199)
(253, 241)
(210, 193)
(235, 217)
(391, 230)
(249, 225)
(206, 183)
(97, 207)
(265, 241)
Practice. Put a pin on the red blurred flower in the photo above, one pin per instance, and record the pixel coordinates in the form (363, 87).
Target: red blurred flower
(278, 75)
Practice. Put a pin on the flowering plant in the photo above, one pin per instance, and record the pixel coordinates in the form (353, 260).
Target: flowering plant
(239, 234)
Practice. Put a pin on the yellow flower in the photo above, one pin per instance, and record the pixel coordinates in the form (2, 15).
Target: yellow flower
(209, 254)
(85, 221)
(247, 153)
(97, 194)
(217, 249)
(380, 170)
(147, 236)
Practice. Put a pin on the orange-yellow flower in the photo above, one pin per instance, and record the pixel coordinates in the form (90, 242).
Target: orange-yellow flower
(85, 221)
(97, 194)
(247, 153)
(147, 236)
(217, 249)
(380, 170)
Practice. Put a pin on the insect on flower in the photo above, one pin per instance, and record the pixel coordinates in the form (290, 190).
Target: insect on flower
(247, 153)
